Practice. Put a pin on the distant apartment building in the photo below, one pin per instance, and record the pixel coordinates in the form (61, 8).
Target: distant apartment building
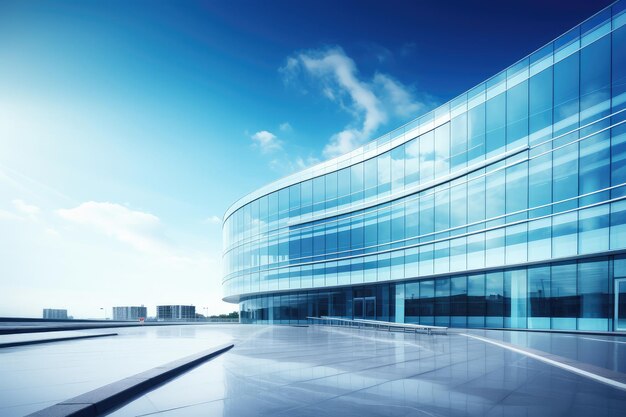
(129, 313)
(176, 312)
(54, 314)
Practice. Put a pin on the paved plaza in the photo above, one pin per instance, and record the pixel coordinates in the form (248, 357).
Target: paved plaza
(320, 370)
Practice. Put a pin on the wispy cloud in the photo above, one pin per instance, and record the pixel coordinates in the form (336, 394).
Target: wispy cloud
(25, 208)
(213, 220)
(286, 165)
(136, 228)
(285, 127)
(371, 102)
(8, 215)
(266, 141)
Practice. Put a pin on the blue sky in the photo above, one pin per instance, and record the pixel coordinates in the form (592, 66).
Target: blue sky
(128, 128)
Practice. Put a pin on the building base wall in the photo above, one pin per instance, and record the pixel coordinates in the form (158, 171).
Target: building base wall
(587, 294)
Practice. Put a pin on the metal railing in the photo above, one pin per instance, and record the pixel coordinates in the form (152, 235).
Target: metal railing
(376, 324)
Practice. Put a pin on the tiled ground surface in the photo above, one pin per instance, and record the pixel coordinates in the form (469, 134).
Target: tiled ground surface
(291, 371)
(37, 376)
(321, 371)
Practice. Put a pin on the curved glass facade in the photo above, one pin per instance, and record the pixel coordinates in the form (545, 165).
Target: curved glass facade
(505, 207)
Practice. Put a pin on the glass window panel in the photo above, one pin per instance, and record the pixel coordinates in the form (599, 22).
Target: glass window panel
(539, 309)
(330, 181)
(356, 233)
(517, 188)
(494, 298)
(495, 124)
(593, 229)
(319, 191)
(442, 150)
(371, 228)
(476, 194)
(476, 301)
(618, 225)
(494, 247)
(540, 239)
(458, 300)
(397, 264)
(411, 262)
(595, 81)
(411, 224)
(595, 300)
(476, 134)
(540, 182)
(442, 257)
(565, 303)
(426, 302)
(540, 106)
(618, 69)
(541, 59)
(442, 209)
(371, 178)
(442, 301)
(427, 157)
(384, 225)
(294, 201)
(397, 222)
(516, 244)
(306, 198)
(458, 142)
(384, 174)
(476, 251)
(515, 299)
(567, 44)
(618, 159)
(566, 94)
(356, 183)
(370, 267)
(458, 252)
(517, 115)
(565, 174)
(495, 194)
(397, 169)
(411, 163)
(564, 235)
(343, 188)
(426, 260)
(427, 213)
(458, 205)
(411, 302)
(356, 271)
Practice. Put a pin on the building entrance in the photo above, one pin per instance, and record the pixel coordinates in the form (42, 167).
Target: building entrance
(365, 308)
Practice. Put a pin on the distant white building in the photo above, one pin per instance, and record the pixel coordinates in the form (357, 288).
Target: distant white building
(54, 314)
(129, 313)
(176, 312)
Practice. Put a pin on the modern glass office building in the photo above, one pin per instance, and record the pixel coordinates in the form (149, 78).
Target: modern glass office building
(505, 207)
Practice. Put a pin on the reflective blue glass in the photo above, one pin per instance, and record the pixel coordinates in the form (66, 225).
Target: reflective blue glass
(504, 208)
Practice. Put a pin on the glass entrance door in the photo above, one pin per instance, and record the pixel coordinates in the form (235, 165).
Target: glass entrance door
(370, 308)
(365, 308)
(620, 304)
(358, 308)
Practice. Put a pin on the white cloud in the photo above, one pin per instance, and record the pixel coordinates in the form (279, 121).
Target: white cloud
(370, 102)
(7, 215)
(213, 220)
(24, 208)
(266, 141)
(136, 228)
(398, 96)
(285, 127)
